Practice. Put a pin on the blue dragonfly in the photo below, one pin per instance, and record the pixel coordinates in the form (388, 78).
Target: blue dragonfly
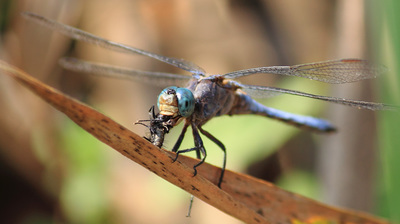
(208, 96)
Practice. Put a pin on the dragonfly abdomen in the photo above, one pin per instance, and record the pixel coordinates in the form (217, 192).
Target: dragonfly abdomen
(247, 105)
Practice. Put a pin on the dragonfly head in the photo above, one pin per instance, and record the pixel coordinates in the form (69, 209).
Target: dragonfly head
(174, 101)
(174, 104)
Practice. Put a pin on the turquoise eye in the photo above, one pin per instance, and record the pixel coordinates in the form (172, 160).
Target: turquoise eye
(174, 100)
(185, 101)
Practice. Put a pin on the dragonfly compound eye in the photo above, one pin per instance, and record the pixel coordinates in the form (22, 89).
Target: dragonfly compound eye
(185, 101)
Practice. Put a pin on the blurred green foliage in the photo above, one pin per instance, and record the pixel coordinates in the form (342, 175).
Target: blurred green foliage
(387, 33)
(83, 194)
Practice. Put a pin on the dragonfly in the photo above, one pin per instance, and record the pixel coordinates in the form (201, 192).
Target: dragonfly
(207, 96)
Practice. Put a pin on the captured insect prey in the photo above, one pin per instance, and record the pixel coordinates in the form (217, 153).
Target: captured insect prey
(207, 96)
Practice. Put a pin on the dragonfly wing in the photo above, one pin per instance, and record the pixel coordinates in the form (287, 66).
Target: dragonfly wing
(258, 94)
(160, 79)
(334, 71)
(353, 103)
(78, 34)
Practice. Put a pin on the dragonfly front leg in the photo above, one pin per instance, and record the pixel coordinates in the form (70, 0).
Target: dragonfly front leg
(180, 139)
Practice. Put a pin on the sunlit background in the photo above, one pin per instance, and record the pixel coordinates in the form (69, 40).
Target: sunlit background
(53, 172)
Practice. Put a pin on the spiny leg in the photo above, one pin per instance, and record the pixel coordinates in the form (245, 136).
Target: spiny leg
(175, 149)
(185, 151)
(179, 141)
(216, 141)
(199, 146)
(198, 155)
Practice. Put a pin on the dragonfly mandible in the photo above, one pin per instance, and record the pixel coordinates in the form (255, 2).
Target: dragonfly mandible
(208, 96)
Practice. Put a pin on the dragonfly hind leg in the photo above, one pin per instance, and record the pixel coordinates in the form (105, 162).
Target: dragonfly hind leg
(199, 147)
(219, 143)
(198, 151)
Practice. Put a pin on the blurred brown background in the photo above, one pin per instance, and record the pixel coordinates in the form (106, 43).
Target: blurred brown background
(52, 171)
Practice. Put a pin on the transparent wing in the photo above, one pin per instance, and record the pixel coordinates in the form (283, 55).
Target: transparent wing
(353, 103)
(160, 79)
(259, 94)
(335, 71)
(78, 34)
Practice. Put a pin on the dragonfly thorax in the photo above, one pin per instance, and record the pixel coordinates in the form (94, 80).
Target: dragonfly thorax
(174, 101)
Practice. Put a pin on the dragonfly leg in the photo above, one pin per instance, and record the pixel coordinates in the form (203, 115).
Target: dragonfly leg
(216, 141)
(199, 148)
(184, 151)
(179, 141)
